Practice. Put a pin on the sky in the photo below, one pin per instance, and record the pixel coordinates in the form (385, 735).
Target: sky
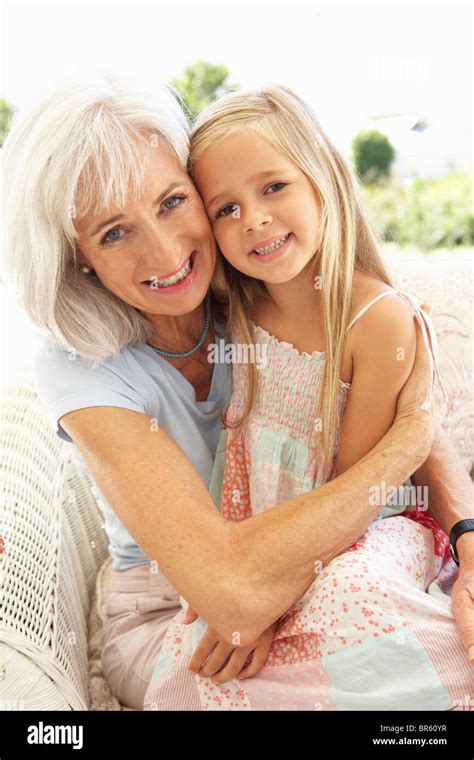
(350, 61)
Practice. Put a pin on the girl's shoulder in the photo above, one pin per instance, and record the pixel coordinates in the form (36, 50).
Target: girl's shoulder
(364, 289)
(375, 315)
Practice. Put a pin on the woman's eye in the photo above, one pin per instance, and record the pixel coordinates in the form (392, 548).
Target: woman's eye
(110, 236)
(227, 210)
(174, 202)
(279, 185)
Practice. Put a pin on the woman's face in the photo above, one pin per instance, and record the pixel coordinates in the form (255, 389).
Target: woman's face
(136, 251)
(256, 197)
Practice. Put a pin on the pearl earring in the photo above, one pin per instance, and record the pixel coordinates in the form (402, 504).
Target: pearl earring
(86, 270)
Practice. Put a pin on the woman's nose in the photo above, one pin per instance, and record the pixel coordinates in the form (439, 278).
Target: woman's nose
(162, 253)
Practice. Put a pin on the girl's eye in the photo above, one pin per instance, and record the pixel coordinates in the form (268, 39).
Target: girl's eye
(275, 184)
(233, 207)
(172, 201)
(109, 237)
(227, 210)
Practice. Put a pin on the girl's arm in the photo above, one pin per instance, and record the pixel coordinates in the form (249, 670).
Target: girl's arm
(383, 344)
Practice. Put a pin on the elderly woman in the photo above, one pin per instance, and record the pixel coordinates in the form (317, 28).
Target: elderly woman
(116, 256)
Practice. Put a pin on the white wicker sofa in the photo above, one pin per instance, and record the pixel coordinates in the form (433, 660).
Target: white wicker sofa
(54, 563)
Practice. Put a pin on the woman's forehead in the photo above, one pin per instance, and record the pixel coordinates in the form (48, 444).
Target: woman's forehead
(110, 189)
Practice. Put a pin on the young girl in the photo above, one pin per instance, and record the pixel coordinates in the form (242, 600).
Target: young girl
(304, 282)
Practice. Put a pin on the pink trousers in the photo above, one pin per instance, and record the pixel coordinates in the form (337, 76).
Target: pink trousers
(141, 604)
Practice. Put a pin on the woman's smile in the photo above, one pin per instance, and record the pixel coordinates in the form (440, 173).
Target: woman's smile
(177, 282)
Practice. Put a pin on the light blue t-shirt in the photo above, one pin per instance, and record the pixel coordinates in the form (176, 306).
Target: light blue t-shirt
(143, 381)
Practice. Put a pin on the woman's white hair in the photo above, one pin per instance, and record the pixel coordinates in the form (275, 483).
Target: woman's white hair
(79, 150)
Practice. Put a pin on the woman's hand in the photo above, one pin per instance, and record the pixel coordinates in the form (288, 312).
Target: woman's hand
(416, 390)
(462, 597)
(214, 657)
(462, 594)
(411, 402)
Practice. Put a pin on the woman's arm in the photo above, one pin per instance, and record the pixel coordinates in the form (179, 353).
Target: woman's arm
(240, 577)
(450, 500)
(383, 344)
(450, 491)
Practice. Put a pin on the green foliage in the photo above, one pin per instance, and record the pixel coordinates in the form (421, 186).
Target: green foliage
(200, 84)
(427, 214)
(6, 114)
(373, 155)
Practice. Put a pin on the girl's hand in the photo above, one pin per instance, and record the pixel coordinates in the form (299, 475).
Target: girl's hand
(190, 616)
(215, 657)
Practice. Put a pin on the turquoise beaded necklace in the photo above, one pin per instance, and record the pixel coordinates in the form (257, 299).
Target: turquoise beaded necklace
(192, 350)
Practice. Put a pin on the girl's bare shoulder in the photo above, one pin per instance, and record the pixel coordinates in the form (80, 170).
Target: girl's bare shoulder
(390, 317)
(364, 289)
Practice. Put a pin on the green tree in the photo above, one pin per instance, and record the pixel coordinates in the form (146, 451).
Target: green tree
(200, 84)
(373, 155)
(6, 114)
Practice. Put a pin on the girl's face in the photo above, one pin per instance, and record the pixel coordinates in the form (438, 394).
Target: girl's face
(263, 209)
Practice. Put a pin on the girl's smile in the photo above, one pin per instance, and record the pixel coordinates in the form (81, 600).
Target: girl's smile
(269, 251)
(265, 212)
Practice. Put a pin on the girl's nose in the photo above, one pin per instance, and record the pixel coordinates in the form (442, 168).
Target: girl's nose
(257, 219)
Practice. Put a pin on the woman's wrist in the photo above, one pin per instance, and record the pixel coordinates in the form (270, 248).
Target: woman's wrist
(465, 550)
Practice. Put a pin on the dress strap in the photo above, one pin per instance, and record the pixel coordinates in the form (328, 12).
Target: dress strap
(368, 305)
(428, 332)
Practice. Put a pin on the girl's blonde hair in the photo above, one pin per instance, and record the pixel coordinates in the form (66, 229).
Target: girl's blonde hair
(347, 242)
(79, 150)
